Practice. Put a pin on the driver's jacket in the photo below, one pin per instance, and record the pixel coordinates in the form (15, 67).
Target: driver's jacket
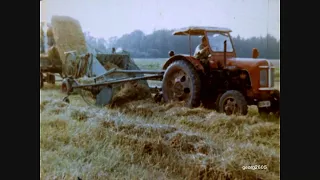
(203, 55)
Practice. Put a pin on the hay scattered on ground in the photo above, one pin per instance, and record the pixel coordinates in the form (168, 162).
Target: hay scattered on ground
(142, 140)
(126, 92)
(68, 35)
(192, 144)
(130, 92)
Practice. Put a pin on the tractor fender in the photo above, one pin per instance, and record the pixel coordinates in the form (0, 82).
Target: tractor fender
(196, 63)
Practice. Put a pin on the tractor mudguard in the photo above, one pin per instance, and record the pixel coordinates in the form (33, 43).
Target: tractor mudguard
(196, 63)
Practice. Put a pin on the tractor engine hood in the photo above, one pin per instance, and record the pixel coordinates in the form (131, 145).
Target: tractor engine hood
(248, 63)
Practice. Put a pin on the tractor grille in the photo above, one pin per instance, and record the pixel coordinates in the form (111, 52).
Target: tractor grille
(264, 77)
(267, 76)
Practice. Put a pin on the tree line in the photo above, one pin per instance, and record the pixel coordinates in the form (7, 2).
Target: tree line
(160, 42)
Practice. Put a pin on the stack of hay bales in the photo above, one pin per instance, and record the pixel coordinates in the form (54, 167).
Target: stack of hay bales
(49, 55)
(68, 36)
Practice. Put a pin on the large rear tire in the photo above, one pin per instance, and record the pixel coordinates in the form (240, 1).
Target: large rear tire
(181, 82)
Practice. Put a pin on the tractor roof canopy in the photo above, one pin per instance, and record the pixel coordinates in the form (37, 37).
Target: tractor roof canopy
(199, 30)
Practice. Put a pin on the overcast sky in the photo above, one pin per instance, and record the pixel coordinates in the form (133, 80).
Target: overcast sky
(107, 18)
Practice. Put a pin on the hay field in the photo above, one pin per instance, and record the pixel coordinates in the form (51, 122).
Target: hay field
(145, 140)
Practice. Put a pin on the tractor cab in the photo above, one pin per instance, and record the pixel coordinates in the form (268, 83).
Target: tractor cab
(214, 36)
(217, 39)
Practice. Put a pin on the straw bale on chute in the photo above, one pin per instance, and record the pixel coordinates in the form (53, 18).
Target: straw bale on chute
(68, 36)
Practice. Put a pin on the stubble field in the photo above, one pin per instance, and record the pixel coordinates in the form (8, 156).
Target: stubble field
(146, 140)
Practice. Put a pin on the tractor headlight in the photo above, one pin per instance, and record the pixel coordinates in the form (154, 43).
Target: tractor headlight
(263, 77)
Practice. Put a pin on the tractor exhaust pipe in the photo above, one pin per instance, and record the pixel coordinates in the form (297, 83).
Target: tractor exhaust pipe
(225, 53)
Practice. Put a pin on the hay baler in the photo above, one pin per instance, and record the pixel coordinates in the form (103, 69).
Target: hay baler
(100, 89)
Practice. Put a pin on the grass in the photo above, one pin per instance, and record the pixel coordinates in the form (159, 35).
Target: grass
(145, 140)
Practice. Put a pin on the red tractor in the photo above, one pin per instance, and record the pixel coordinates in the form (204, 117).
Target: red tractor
(220, 80)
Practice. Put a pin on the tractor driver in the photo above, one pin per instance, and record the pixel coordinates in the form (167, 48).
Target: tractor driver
(202, 53)
(202, 50)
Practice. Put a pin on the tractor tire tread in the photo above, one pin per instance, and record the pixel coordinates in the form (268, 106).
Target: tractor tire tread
(194, 76)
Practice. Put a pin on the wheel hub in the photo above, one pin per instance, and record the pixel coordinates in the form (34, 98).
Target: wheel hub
(231, 106)
(178, 88)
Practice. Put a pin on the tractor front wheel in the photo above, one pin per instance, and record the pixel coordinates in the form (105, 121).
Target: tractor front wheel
(181, 82)
(233, 102)
(275, 106)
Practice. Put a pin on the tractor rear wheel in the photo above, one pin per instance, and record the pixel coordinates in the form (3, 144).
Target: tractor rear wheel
(181, 82)
(233, 102)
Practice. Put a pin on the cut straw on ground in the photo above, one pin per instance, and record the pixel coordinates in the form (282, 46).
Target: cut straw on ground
(143, 140)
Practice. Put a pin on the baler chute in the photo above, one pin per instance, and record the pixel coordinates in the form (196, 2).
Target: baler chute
(86, 72)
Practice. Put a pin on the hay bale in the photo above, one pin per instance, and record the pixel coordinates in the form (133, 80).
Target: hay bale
(50, 32)
(44, 60)
(54, 56)
(50, 37)
(68, 35)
